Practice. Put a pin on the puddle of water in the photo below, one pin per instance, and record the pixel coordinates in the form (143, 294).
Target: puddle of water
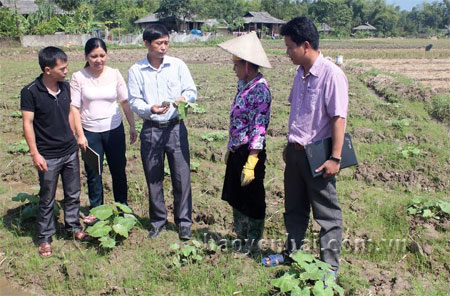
(7, 290)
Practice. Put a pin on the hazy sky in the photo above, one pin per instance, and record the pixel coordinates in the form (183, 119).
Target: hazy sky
(407, 4)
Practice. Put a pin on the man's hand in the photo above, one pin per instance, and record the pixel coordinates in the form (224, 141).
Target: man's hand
(82, 142)
(284, 154)
(39, 162)
(159, 109)
(329, 167)
(178, 100)
(133, 135)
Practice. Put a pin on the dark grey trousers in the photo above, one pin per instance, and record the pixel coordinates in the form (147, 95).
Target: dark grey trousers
(303, 192)
(156, 143)
(69, 168)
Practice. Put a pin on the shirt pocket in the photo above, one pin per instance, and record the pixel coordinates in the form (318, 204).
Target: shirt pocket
(312, 100)
(174, 89)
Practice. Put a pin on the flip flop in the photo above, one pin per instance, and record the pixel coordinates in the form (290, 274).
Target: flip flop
(43, 249)
(273, 260)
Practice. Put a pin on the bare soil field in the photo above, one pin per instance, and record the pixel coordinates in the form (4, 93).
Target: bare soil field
(434, 73)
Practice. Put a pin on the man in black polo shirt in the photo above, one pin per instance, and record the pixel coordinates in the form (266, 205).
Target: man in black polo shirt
(45, 105)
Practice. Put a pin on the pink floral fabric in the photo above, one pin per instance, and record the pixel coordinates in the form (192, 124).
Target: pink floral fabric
(250, 114)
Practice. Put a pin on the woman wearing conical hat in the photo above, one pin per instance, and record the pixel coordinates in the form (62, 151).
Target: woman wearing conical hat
(243, 186)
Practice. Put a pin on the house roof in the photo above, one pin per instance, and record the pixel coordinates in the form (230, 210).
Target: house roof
(261, 18)
(325, 28)
(367, 26)
(151, 18)
(25, 6)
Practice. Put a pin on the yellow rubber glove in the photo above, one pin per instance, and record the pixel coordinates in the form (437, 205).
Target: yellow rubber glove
(248, 172)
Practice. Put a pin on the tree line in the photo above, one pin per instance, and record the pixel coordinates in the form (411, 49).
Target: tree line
(119, 15)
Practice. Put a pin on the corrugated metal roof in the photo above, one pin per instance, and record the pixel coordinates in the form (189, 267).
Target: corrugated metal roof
(261, 18)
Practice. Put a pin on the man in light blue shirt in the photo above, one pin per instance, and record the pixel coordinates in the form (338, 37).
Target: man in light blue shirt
(156, 83)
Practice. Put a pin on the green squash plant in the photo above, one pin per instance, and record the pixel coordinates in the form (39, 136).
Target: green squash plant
(191, 252)
(114, 221)
(307, 276)
(31, 208)
(429, 208)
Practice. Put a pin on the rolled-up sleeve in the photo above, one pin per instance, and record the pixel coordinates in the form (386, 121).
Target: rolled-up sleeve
(188, 88)
(135, 95)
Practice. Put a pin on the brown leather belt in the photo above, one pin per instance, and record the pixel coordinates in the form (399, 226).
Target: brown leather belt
(297, 146)
(164, 124)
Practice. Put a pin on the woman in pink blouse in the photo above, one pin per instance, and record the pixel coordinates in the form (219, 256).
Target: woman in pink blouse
(243, 186)
(95, 91)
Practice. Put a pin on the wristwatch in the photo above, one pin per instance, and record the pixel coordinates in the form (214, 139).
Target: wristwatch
(336, 159)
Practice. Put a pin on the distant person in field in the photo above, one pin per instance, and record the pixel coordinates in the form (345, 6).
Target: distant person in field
(96, 91)
(243, 187)
(156, 85)
(48, 129)
(319, 101)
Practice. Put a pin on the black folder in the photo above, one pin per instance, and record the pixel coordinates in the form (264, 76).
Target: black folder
(91, 158)
(318, 152)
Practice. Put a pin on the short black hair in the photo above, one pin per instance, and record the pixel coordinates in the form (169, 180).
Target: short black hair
(154, 32)
(92, 44)
(49, 55)
(301, 29)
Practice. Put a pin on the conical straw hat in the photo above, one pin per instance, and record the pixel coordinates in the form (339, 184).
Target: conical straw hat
(249, 48)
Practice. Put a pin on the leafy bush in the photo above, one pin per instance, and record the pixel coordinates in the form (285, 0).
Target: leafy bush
(429, 209)
(307, 276)
(48, 28)
(439, 107)
(12, 25)
(114, 221)
(31, 208)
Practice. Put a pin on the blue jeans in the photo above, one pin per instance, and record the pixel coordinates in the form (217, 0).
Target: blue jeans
(112, 144)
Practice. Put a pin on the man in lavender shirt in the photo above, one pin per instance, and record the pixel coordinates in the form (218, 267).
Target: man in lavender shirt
(319, 100)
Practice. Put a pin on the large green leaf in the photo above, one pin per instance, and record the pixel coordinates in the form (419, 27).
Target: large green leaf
(319, 290)
(22, 196)
(445, 207)
(322, 265)
(121, 229)
(187, 250)
(300, 256)
(30, 211)
(286, 283)
(427, 213)
(124, 208)
(297, 291)
(107, 242)
(102, 212)
(99, 229)
(182, 109)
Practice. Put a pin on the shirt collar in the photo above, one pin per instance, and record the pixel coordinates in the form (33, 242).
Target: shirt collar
(315, 69)
(144, 63)
(40, 85)
(243, 85)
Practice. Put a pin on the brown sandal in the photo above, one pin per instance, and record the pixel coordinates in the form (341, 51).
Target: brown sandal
(82, 236)
(45, 250)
